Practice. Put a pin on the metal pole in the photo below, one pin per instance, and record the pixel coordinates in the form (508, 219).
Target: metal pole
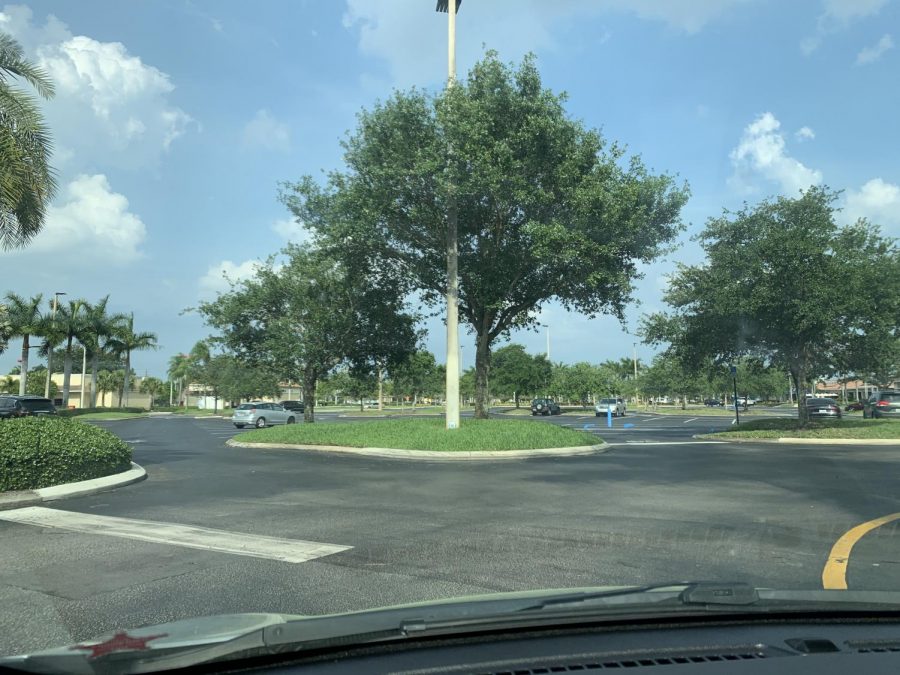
(548, 342)
(634, 357)
(737, 413)
(452, 372)
(83, 375)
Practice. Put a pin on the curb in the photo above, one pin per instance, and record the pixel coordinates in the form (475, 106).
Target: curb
(18, 499)
(804, 441)
(430, 455)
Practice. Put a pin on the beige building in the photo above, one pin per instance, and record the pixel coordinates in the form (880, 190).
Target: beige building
(104, 399)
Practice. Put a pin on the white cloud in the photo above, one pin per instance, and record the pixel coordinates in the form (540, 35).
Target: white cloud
(804, 134)
(264, 131)
(878, 201)
(110, 106)
(761, 153)
(875, 52)
(218, 277)
(92, 225)
(290, 230)
(411, 38)
(837, 15)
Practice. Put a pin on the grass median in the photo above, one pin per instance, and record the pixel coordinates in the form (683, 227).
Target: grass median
(426, 434)
(790, 428)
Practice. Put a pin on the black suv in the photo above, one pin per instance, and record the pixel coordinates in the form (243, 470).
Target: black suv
(545, 406)
(24, 406)
(294, 406)
(884, 403)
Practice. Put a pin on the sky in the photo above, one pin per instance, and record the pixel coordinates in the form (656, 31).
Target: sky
(175, 121)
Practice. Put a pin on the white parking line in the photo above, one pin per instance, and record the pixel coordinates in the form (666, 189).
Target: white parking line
(690, 420)
(222, 541)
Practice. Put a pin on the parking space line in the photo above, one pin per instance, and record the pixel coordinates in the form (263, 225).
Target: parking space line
(834, 574)
(221, 541)
(690, 420)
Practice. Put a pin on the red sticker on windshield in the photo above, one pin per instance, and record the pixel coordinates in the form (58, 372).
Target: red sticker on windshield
(120, 642)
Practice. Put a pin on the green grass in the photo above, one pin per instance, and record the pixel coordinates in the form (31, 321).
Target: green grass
(790, 428)
(426, 434)
(110, 416)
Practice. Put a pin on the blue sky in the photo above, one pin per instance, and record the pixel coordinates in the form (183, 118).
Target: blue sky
(175, 120)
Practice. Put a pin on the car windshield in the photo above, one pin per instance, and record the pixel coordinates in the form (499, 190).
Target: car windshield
(309, 307)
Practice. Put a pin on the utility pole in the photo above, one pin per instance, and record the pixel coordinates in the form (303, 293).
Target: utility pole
(452, 376)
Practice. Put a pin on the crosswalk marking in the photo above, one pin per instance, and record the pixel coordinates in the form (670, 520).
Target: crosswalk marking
(222, 541)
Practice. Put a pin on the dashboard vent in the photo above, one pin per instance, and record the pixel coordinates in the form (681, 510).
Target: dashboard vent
(630, 663)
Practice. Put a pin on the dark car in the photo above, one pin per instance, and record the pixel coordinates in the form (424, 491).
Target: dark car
(25, 406)
(823, 407)
(856, 405)
(884, 403)
(294, 406)
(545, 406)
(712, 403)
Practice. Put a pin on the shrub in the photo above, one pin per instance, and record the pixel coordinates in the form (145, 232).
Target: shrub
(84, 411)
(37, 452)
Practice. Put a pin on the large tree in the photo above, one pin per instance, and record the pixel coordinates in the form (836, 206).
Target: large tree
(27, 183)
(304, 315)
(785, 283)
(516, 372)
(547, 209)
(71, 321)
(418, 376)
(97, 329)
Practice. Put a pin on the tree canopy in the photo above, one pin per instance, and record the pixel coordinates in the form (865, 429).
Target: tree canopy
(783, 282)
(547, 209)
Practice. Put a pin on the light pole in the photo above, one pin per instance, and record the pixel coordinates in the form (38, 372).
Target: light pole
(452, 381)
(49, 345)
(547, 326)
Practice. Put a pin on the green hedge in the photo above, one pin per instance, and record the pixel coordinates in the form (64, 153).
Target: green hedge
(37, 452)
(84, 411)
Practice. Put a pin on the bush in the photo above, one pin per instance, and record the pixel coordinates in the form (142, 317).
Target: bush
(37, 452)
(84, 411)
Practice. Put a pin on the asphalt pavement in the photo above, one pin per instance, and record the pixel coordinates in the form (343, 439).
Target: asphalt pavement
(216, 529)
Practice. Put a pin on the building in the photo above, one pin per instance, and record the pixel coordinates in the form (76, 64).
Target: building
(104, 399)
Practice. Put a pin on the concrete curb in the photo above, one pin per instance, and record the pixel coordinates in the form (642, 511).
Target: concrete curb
(804, 441)
(430, 455)
(18, 499)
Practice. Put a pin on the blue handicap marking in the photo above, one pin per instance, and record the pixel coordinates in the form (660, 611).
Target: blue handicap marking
(588, 426)
(629, 425)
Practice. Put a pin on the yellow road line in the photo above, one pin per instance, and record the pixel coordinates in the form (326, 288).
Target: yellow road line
(834, 575)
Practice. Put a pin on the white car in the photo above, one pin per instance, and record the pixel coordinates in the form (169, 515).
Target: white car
(616, 406)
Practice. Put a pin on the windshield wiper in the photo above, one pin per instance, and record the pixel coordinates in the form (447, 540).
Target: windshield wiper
(684, 592)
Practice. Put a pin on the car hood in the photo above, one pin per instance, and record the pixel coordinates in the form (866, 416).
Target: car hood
(184, 643)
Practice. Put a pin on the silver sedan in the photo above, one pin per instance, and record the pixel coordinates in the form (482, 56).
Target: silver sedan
(260, 414)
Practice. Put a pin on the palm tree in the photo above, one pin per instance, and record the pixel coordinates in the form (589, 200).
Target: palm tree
(27, 183)
(106, 383)
(125, 340)
(70, 322)
(97, 329)
(153, 386)
(179, 369)
(24, 318)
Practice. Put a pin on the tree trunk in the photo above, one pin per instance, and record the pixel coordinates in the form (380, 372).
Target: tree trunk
(310, 377)
(684, 401)
(23, 373)
(127, 377)
(798, 373)
(482, 370)
(380, 389)
(95, 360)
(516, 397)
(67, 372)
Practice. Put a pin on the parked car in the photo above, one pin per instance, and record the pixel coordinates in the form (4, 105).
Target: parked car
(823, 407)
(294, 406)
(545, 406)
(884, 403)
(856, 405)
(260, 414)
(25, 406)
(606, 405)
(712, 403)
